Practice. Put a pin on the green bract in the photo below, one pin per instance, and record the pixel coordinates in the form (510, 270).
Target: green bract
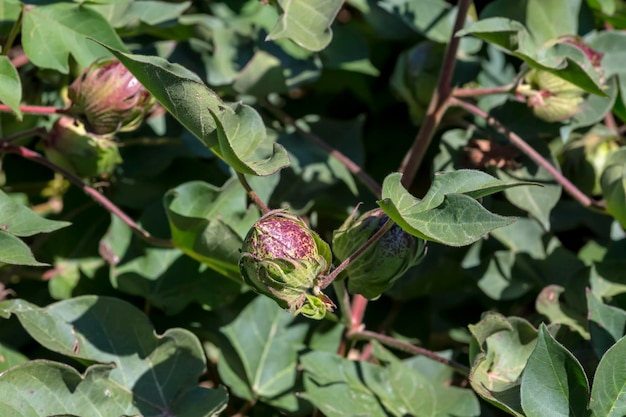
(382, 263)
(551, 98)
(107, 98)
(285, 260)
(86, 155)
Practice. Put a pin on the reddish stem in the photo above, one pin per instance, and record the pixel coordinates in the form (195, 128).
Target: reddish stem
(438, 103)
(252, 194)
(41, 110)
(483, 91)
(516, 140)
(90, 191)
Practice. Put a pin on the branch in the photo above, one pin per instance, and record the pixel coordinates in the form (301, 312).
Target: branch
(356, 170)
(37, 110)
(484, 91)
(90, 191)
(438, 103)
(516, 140)
(252, 194)
(409, 348)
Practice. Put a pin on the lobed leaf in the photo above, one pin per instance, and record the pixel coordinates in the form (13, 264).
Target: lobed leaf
(306, 22)
(145, 373)
(449, 212)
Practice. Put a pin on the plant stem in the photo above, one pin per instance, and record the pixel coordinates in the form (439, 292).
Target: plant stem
(516, 140)
(37, 110)
(356, 170)
(15, 30)
(37, 131)
(90, 191)
(330, 277)
(409, 348)
(438, 103)
(359, 304)
(252, 194)
(344, 302)
(485, 91)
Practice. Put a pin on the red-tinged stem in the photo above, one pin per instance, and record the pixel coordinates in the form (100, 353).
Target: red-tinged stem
(484, 91)
(37, 131)
(40, 110)
(438, 103)
(252, 194)
(409, 348)
(516, 140)
(359, 304)
(328, 279)
(356, 170)
(90, 191)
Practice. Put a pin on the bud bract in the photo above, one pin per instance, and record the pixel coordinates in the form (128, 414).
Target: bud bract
(108, 98)
(71, 147)
(550, 97)
(285, 260)
(376, 269)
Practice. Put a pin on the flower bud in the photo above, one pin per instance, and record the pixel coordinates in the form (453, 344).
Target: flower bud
(108, 98)
(71, 147)
(285, 260)
(376, 269)
(551, 98)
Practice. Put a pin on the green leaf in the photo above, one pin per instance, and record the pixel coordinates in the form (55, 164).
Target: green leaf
(171, 281)
(448, 213)
(500, 350)
(613, 184)
(306, 22)
(10, 357)
(151, 374)
(550, 305)
(607, 324)
(553, 380)
(125, 13)
(242, 139)
(236, 135)
(338, 386)
(608, 395)
(545, 20)
(56, 30)
(208, 223)
(19, 220)
(16, 252)
(564, 61)
(349, 51)
(262, 352)
(10, 86)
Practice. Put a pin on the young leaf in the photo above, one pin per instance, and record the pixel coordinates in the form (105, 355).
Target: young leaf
(564, 61)
(448, 213)
(56, 30)
(259, 360)
(211, 120)
(208, 223)
(10, 86)
(553, 381)
(500, 350)
(306, 22)
(607, 324)
(550, 305)
(608, 395)
(151, 374)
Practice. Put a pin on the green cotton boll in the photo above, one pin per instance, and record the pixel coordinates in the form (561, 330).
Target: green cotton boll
(71, 147)
(376, 269)
(285, 260)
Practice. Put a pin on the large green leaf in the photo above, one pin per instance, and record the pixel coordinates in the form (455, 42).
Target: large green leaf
(564, 61)
(306, 22)
(208, 223)
(607, 324)
(553, 378)
(613, 183)
(500, 349)
(146, 373)
(19, 220)
(52, 32)
(259, 360)
(545, 20)
(608, 395)
(449, 212)
(236, 134)
(10, 86)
